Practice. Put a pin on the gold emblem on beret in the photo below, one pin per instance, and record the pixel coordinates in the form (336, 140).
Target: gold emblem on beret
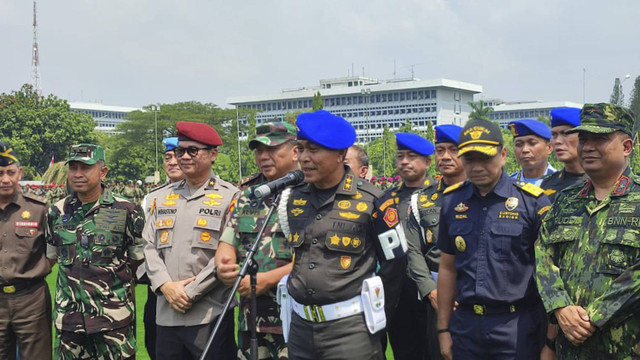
(461, 245)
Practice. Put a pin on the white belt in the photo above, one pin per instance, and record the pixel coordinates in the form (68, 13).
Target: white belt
(322, 313)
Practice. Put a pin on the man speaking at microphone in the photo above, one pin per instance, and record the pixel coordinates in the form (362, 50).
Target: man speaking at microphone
(276, 155)
(341, 228)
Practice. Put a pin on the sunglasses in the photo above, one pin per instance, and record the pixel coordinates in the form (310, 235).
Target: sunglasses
(191, 150)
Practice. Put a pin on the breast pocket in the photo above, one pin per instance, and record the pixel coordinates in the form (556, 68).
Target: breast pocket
(562, 240)
(164, 231)
(505, 239)
(26, 238)
(463, 241)
(66, 247)
(620, 249)
(206, 231)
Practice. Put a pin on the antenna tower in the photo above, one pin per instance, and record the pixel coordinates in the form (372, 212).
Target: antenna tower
(35, 57)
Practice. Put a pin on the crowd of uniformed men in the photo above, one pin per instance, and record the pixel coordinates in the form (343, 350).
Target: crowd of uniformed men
(472, 264)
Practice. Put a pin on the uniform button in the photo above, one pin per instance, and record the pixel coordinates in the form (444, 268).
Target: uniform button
(310, 292)
(484, 209)
(314, 241)
(312, 266)
(318, 217)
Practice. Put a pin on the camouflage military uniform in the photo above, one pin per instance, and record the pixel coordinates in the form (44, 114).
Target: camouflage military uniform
(274, 251)
(588, 255)
(94, 300)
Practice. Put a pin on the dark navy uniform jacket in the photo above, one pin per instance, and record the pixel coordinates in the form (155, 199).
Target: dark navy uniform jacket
(492, 238)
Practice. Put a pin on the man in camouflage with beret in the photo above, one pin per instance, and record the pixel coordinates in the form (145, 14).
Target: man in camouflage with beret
(276, 155)
(588, 253)
(96, 238)
(25, 303)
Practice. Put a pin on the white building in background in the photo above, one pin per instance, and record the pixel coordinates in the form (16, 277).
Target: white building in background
(107, 117)
(370, 104)
(504, 112)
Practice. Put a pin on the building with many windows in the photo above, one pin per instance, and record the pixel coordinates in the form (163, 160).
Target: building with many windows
(504, 112)
(107, 117)
(370, 104)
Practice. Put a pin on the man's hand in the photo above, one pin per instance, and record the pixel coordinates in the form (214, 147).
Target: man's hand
(174, 292)
(446, 345)
(227, 271)
(433, 298)
(575, 324)
(244, 289)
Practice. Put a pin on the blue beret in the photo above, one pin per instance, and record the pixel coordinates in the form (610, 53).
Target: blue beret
(447, 133)
(415, 143)
(565, 116)
(530, 127)
(170, 143)
(325, 129)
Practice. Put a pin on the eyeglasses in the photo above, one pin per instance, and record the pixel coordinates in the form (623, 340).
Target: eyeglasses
(191, 150)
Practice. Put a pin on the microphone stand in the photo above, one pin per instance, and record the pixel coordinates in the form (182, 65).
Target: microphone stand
(251, 267)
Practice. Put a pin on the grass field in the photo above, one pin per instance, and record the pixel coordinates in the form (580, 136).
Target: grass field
(141, 298)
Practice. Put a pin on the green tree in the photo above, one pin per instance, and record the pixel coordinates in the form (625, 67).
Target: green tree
(131, 152)
(38, 127)
(617, 96)
(479, 110)
(317, 102)
(634, 106)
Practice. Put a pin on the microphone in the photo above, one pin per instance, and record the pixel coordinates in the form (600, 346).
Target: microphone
(293, 178)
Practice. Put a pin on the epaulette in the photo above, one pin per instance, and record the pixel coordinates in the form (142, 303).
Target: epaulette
(248, 180)
(369, 188)
(159, 187)
(35, 198)
(453, 187)
(529, 188)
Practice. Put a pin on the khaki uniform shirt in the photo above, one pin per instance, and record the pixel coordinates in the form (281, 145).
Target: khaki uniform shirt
(22, 241)
(181, 237)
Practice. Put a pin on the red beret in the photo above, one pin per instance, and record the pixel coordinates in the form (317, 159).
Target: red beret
(199, 132)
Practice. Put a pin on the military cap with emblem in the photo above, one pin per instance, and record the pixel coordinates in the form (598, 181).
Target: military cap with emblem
(565, 116)
(170, 143)
(325, 129)
(605, 118)
(481, 136)
(86, 153)
(8, 156)
(415, 143)
(198, 132)
(273, 134)
(447, 133)
(525, 127)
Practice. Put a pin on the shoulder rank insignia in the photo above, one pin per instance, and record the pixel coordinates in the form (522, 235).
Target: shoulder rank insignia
(348, 183)
(452, 187)
(530, 188)
(549, 192)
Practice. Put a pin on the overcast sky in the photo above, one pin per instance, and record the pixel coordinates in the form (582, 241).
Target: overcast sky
(138, 52)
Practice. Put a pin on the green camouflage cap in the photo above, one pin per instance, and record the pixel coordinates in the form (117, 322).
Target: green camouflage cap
(604, 118)
(273, 134)
(86, 153)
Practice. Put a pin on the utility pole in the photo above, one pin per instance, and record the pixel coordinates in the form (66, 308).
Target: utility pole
(35, 56)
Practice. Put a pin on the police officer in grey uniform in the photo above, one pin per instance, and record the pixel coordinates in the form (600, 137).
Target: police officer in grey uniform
(181, 237)
(340, 227)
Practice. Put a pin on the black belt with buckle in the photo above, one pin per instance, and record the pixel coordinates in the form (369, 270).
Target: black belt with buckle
(18, 285)
(481, 309)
